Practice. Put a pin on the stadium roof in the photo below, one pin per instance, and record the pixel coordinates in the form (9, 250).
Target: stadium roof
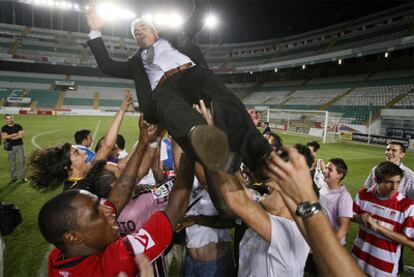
(240, 20)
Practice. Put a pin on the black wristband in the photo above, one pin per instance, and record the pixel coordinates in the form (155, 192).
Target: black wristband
(307, 209)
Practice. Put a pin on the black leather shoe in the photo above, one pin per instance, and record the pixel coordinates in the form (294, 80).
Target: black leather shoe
(210, 144)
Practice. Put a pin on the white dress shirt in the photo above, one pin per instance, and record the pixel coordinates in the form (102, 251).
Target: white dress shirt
(166, 57)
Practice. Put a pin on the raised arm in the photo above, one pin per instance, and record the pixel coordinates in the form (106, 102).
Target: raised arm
(196, 20)
(98, 48)
(152, 154)
(238, 201)
(125, 184)
(295, 185)
(178, 199)
(110, 138)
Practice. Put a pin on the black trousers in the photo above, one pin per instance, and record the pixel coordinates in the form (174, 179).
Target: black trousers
(173, 101)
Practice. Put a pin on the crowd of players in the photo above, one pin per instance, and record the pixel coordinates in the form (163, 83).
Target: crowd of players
(156, 201)
(289, 210)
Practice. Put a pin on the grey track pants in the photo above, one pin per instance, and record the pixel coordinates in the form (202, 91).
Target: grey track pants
(16, 157)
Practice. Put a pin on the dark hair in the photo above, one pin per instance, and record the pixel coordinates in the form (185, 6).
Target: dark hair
(49, 167)
(7, 114)
(340, 166)
(98, 144)
(100, 179)
(81, 135)
(278, 140)
(402, 147)
(304, 150)
(387, 169)
(314, 144)
(120, 141)
(57, 216)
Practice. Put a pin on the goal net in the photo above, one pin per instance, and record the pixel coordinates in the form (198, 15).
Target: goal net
(321, 124)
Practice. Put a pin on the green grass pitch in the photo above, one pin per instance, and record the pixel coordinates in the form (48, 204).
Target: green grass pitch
(26, 249)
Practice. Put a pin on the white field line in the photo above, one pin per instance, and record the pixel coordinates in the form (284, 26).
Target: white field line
(95, 132)
(40, 134)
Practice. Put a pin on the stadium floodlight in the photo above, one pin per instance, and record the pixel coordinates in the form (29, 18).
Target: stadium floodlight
(148, 17)
(66, 5)
(161, 19)
(386, 55)
(50, 3)
(276, 70)
(111, 12)
(76, 6)
(340, 61)
(303, 66)
(176, 20)
(211, 21)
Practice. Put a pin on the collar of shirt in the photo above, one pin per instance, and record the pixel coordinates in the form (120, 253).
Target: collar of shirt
(166, 57)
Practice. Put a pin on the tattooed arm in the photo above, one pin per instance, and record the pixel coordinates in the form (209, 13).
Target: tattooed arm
(124, 186)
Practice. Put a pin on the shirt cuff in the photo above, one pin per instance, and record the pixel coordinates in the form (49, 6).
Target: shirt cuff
(94, 34)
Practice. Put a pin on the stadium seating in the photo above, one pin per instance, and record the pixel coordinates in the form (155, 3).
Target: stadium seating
(57, 46)
(355, 96)
(44, 98)
(110, 91)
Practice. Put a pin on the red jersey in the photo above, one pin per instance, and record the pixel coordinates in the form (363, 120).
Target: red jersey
(376, 254)
(151, 239)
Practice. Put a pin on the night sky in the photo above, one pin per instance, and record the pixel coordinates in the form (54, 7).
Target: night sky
(240, 20)
(258, 20)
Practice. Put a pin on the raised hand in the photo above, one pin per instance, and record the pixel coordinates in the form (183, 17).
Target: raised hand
(127, 99)
(205, 112)
(143, 130)
(292, 176)
(155, 133)
(95, 22)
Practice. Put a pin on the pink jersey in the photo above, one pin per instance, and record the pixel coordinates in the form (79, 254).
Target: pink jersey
(376, 254)
(137, 211)
(151, 239)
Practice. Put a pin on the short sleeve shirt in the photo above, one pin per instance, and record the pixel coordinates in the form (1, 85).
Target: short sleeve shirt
(151, 239)
(337, 203)
(13, 130)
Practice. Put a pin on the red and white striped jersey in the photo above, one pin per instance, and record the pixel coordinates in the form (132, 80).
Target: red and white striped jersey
(376, 254)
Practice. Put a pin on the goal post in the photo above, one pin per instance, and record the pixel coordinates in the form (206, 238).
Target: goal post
(315, 123)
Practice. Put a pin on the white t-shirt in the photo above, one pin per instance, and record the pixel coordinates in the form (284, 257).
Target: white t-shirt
(198, 235)
(148, 179)
(284, 256)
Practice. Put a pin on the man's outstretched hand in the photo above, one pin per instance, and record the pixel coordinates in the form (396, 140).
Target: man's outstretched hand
(95, 22)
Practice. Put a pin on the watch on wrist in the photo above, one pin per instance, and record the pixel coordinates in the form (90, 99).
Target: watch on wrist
(307, 209)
